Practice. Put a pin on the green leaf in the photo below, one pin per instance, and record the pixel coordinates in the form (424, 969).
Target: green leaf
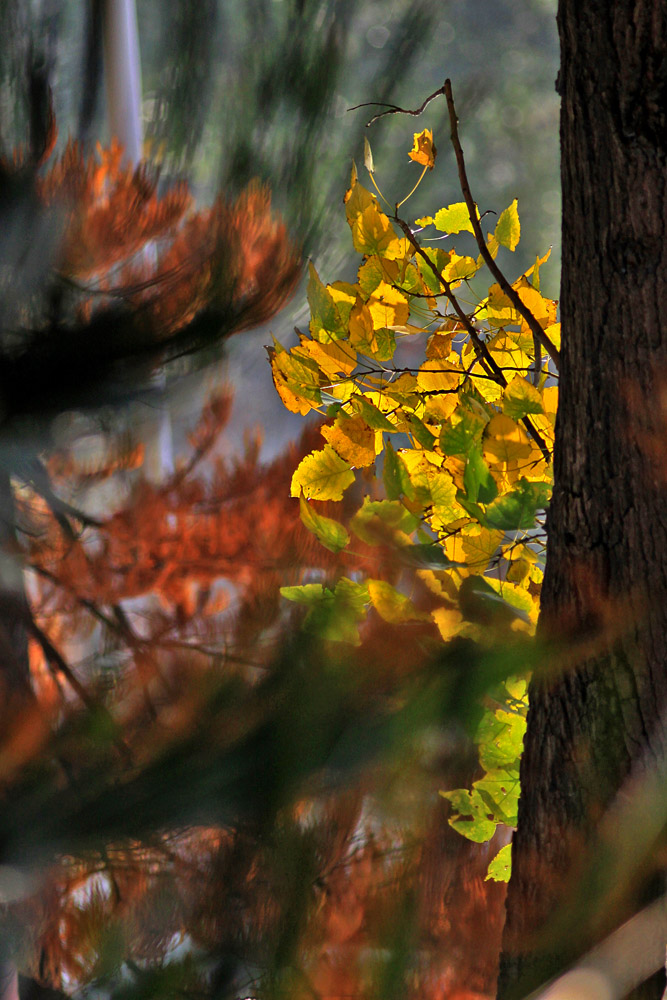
(479, 484)
(500, 868)
(395, 475)
(308, 593)
(440, 260)
(453, 219)
(426, 555)
(499, 790)
(508, 229)
(458, 438)
(373, 416)
(420, 432)
(322, 475)
(470, 817)
(378, 520)
(330, 533)
(326, 322)
(517, 510)
(500, 738)
(521, 399)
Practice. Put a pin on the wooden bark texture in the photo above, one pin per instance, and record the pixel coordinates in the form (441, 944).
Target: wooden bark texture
(598, 720)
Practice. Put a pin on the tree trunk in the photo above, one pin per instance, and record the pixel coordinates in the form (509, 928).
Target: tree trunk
(599, 720)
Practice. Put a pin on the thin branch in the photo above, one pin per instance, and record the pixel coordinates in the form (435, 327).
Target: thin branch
(57, 660)
(510, 292)
(480, 347)
(393, 109)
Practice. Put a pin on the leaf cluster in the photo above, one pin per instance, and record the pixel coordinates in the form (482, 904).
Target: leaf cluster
(439, 410)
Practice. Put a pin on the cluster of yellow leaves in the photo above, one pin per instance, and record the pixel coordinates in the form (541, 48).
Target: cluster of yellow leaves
(461, 441)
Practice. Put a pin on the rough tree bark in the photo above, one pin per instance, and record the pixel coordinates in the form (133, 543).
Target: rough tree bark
(600, 720)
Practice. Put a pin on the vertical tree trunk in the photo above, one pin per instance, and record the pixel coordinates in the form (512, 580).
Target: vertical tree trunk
(601, 719)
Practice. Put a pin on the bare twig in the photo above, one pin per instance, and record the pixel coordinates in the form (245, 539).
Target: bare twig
(510, 292)
(393, 109)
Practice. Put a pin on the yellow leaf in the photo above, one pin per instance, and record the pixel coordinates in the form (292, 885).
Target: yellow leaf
(505, 440)
(322, 475)
(508, 228)
(334, 358)
(392, 606)
(479, 546)
(448, 620)
(388, 307)
(296, 379)
(439, 345)
(353, 439)
(423, 151)
(553, 333)
(373, 233)
(439, 375)
(357, 199)
(433, 486)
(439, 407)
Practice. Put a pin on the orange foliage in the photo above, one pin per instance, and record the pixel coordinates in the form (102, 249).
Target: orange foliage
(163, 259)
(205, 553)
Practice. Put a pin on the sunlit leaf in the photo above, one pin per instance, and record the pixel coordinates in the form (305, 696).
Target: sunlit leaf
(368, 156)
(505, 440)
(423, 151)
(508, 229)
(388, 307)
(521, 399)
(500, 867)
(322, 475)
(373, 233)
(453, 219)
(353, 440)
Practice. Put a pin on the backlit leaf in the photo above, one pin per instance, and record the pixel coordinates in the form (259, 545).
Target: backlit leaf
(373, 233)
(330, 533)
(453, 219)
(508, 228)
(521, 398)
(500, 867)
(391, 605)
(353, 439)
(423, 151)
(322, 475)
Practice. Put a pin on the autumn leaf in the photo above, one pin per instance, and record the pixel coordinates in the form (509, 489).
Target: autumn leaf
(423, 151)
(508, 228)
(322, 475)
(331, 533)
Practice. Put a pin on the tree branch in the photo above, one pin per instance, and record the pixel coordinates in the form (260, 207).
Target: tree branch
(393, 109)
(510, 292)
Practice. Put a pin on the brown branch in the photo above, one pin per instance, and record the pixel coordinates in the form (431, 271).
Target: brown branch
(57, 660)
(393, 109)
(510, 292)
(481, 349)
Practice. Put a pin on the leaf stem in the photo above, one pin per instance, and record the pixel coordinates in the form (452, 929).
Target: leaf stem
(413, 190)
